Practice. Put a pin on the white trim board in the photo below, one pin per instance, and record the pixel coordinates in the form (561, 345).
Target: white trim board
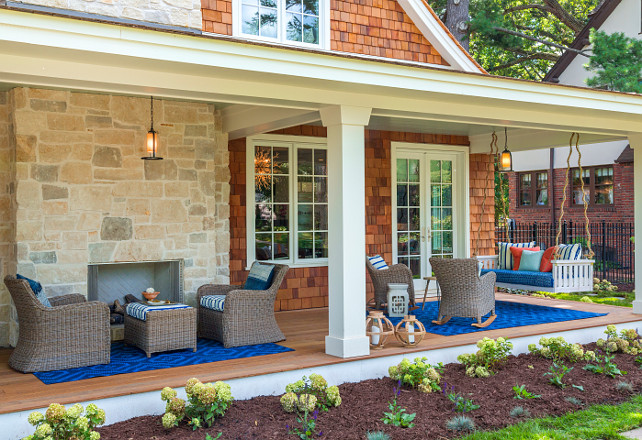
(15, 425)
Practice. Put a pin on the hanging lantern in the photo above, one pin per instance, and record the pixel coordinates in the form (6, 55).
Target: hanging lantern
(378, 329)
(506, 158)
(410, 331)
(152, 137)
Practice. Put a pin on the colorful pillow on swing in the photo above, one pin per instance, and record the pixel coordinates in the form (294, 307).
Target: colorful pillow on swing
(505, 255)
(570, 251)
(546, 265)
(517, 254)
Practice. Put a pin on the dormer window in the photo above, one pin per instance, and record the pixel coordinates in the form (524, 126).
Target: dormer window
(297, 22)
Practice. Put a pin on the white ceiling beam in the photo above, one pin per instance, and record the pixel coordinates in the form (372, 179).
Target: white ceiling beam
(242, 121)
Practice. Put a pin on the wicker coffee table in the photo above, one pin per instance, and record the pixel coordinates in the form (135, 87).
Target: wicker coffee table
(164, 330)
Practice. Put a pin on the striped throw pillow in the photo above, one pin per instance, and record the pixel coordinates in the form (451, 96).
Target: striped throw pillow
(505, 255)
(570, 251)
(260, 276)
(213, 302)
(378, 262)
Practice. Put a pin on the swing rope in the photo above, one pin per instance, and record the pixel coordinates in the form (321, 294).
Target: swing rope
(589, 254)
(494, 150)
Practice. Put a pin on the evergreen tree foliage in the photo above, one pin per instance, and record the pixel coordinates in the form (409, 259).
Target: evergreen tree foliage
(616, 61)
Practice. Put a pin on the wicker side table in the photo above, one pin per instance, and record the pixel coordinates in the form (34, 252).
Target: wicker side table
(164, 330)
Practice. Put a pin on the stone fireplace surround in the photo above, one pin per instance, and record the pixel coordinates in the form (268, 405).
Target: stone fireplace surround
(77, 193)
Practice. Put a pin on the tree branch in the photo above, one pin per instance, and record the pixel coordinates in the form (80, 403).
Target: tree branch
(544, 33)
(524, 7)
(539, 40)
(535, 55)
(564, 16)
(530, 57)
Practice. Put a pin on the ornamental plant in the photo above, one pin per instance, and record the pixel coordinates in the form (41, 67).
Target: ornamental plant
(603, 286)
(205, 402)
(491, 354)
(628, 341)
(559, 350)
(299, 394)
(418, 374)
(397, 416)
(74, 423)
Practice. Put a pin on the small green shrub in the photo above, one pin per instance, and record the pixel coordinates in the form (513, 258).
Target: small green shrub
(66, 424)
(521, 393)
(558, 350)
(462, 404)
(205, 402)
(574, 400)
(604, 366)
(460, 424)
(624, 387)
(628, 341)
(377, 435)
(519, 412)
(397, 416)
(557, 373)
(491, 354)
(316, 386)
(418, 374)
(603, 286)
(308, 421)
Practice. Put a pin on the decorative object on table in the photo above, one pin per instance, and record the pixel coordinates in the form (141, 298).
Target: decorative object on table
(242, 316)
(397, 273)
(158, 302)
(56, 337)
(397, 300)
(410, 331)
(378, 328)
(463, 292)
(150, 294)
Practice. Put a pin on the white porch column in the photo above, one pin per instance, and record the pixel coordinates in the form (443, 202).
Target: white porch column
(347, 230)
(636, 144)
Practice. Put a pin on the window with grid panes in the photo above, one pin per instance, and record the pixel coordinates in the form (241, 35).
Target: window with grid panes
(441, 208)
(291, 202)
(291, 21)
(533, 189)
(598, 186)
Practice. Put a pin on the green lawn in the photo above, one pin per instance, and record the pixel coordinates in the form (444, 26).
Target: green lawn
(597, 422)
(624, 299)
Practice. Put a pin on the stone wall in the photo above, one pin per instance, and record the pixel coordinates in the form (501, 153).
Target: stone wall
(7, 218)
(184, 13)
(84, 195)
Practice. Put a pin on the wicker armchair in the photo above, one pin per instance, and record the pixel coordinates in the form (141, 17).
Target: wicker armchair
(248, 315)
(72, 333)
(463, 292)
(397, 273)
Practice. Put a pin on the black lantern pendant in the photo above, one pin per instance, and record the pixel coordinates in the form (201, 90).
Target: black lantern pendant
(152, 138)
(506, 158)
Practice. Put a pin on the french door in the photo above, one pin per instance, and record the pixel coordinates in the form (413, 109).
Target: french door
(429, 215)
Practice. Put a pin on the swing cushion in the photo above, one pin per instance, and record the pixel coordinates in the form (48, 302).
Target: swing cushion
(517, 254)
(529, 278)
(505, 255)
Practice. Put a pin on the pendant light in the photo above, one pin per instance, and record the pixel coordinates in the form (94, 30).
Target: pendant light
(152, 137)
(506, 158)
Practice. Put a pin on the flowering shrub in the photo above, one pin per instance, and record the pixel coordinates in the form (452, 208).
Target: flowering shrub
(205, 403)
(558, 349)
(418, 374)
(491, 354)
(603, 286)
(66, 424)
(627, 342)
(315, 388)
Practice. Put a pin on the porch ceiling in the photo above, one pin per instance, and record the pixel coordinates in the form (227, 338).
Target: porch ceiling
(265, 88)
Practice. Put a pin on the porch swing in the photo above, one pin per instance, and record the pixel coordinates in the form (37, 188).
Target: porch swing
(570, 273)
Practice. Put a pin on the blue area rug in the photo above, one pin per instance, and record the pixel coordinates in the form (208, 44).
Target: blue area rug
(509, 314)
(129, 359)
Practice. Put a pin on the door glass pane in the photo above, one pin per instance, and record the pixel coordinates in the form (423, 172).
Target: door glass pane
(414, 219)
(435, 219)
(414, 242)
(436, 242)
(441, 183)
(448, 241)
(402, 219)
(402, 170)
(447, 219)
(446, 195)
(435, 196)
(305, 217)
(320, 162)
(413, 170)
(415, 267)
(413, 195)
(305, 189)
(304, 161)
(320, 189)
(281, 161)
(446, 171)
(402, 244)
(402, 195)
(281, 189)
(435, 171)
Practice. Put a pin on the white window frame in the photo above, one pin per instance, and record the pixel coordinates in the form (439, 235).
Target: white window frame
(292, 143)
(324, 26)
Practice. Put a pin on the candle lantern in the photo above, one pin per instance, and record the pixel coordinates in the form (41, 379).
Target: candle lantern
(378, 329)
(410, 331)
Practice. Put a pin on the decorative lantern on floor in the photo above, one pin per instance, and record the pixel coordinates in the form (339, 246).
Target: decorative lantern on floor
(378, 328)
(397, 300)
(410, 331)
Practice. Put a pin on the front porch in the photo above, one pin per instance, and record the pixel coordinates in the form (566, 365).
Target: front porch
(129, 395)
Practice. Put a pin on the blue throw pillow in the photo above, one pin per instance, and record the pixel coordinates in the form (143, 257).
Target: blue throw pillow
(37, 289)
(531, 261)
(260, 276)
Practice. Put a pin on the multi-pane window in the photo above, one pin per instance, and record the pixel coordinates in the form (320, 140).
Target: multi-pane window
(441, 208)
(533, 189)
(290, 202)
(598, 186)
(282, 20)
(409, 214)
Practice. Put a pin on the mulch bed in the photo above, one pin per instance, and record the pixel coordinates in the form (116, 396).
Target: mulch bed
(364, 403)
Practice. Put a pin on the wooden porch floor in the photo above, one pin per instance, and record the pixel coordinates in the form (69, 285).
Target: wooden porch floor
(305, 331)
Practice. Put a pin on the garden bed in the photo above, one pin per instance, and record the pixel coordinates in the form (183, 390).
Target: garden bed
(364, 404)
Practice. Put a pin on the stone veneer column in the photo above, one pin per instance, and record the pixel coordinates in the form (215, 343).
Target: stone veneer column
(83, 195)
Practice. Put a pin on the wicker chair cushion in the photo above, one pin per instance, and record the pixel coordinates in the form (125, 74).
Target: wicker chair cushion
(37, 290)
(537, 279)
(213, 302)
(140, 311)
(378, 262)
(505, 255)
(260, 276)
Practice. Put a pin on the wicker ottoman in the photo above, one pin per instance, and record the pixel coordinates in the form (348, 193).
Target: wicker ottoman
(164, 330)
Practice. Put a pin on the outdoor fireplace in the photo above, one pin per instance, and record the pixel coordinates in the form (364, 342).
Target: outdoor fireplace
(108, 282)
